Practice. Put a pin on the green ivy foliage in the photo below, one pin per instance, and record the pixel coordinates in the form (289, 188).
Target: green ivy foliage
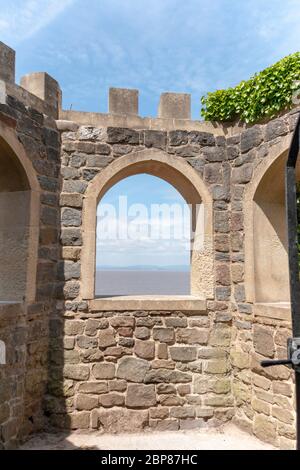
(265, 95)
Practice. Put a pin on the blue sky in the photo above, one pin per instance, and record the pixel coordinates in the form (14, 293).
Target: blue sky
(193, 46)
(143, 234)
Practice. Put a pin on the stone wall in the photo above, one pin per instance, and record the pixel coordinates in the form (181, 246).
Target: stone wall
(125, 372)
(24, 326)
(206, 369)
(81, 367)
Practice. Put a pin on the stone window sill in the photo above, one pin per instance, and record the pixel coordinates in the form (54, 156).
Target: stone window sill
(149, 302)
(276, 310)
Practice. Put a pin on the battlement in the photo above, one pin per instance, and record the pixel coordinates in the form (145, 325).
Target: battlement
(42, 92)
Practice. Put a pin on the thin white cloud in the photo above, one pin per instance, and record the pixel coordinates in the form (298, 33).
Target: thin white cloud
(20, 20)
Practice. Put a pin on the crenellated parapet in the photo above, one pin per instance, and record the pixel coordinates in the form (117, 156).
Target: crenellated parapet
(38, 90)
(42, 92)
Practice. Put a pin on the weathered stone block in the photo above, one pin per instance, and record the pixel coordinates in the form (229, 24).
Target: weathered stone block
(111, 399)
(223, 274)
(74, 186)
(265, 428)
(183, 354)
(213, 173)
(123, 101)
(242, 174)
(142, 332)
(71, 289)
(106, 338)
(140, 396)
(202, 138)
(251, 138)
(164, 335)
(182, 412)
(76, 372)
(239, 293)
(221, 221)
(86, 402)
(276, 128)
(177, 138)
(145, 349)
(188, 151)
(156, 139)
(74, 327)
(80, 420)
(118, 135)
(95, 388)
(223, 293)
(174, 105)
(263, 340)
(92, 326)
(71, 200)
(261, 406)
(68, 270)
(90, 133)
(220, 366)
(171, 400)
(240, 359)
(176, 322)
(104, 370)
(165, 389)
(167, 376)
(282, 388)
(70, 217)
(7, 63)
(71, 237)
(117, 385)
(86, 342)
(283, 415)
(122, 420)
(118, 322)
(164, 425)
(220, 335)
(76, 161)
(236, 224)
(237, 273)
(162, 351)
(159, 413)
(192, 335)
(214, 154)
(98, 161)
(132, 369)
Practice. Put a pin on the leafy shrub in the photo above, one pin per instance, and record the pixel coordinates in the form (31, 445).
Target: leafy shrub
(264, 95)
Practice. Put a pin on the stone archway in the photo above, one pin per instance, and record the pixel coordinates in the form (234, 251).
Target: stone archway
(189, 184)
(266, 261)
(19, 212)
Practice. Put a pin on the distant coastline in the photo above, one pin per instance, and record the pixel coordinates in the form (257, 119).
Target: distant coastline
(130, 281)
(170, 268)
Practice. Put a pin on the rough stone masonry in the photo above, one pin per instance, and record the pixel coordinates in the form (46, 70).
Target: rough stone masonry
(73, 363)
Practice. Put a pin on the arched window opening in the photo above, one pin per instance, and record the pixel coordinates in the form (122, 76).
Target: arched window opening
(271, 277)
(143, 239)
(181, 177)
(14, 226)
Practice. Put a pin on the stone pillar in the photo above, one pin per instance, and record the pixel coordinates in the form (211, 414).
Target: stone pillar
(7, 63)
(175, 106)
(44, 87)
(123, 101)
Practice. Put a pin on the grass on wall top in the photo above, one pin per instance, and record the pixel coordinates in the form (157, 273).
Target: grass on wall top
(265, 95)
